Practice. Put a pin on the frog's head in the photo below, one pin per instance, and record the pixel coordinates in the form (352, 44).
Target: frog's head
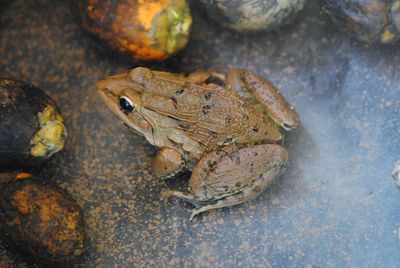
(123, 95)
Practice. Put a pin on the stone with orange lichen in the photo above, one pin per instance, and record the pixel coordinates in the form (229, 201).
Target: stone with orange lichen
(42, 220)
(140, 30)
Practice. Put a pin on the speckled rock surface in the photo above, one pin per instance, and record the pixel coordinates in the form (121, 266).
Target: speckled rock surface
(336, 206)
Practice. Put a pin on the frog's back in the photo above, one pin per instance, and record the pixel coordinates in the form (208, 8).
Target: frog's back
(212, 115)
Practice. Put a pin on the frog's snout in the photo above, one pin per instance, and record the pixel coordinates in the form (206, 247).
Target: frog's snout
(108, 85)
(115, 84)
(102, 85)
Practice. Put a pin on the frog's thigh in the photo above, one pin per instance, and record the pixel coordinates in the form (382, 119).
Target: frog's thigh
(256, 166)
(247, 194)
(167, 163)
(261, 92)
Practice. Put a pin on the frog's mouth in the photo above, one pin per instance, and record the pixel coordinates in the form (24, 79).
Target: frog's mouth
(110, 91)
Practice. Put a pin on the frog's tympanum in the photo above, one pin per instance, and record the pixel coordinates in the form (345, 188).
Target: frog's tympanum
(225, 128)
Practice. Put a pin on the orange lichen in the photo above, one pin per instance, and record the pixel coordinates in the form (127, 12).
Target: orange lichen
(148, 10)
(21, 201)
(134, 24)
(23, 175)
(72, 220)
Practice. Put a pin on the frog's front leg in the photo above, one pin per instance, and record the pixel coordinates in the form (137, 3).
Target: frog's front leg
(222, 179)
(259, 91)
(167, 163)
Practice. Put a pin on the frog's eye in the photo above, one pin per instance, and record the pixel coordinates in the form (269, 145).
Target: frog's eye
(126, 104)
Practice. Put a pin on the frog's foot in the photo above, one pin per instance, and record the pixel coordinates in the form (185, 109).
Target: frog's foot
(199, 210)
(263, 94)
(167, 163)
(203, 76)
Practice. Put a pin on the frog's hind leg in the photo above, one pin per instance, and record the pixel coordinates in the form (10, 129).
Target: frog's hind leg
(167, 163)
(249, 193)
(228, 177)
(263, 95)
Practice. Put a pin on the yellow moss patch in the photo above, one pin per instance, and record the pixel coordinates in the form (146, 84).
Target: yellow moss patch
(171, 27)
(387, 36)
(52, 133)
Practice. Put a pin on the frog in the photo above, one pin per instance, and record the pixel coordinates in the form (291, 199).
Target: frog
(226, 129)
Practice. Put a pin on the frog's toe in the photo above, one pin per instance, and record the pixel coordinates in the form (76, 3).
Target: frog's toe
(199, 210)
(195, 212)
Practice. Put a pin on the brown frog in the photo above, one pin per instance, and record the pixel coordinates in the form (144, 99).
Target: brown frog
(225, 128)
